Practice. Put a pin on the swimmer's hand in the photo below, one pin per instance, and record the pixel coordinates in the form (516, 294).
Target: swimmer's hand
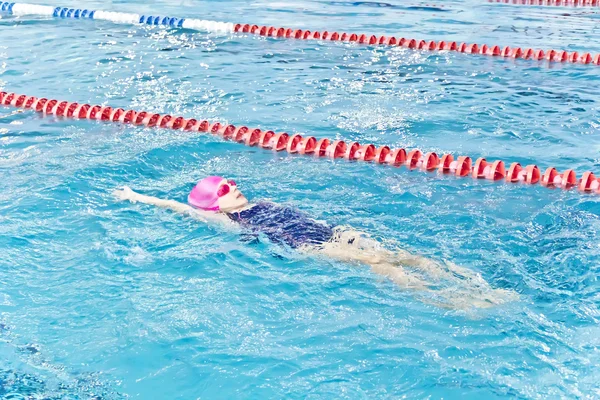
(125, 194)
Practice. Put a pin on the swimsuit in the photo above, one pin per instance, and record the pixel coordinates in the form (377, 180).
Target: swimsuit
(283, 225)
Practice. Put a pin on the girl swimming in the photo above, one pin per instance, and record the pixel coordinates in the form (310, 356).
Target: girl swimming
(216, 199)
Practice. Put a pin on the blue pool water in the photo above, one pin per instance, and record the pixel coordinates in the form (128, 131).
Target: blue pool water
(101, 299)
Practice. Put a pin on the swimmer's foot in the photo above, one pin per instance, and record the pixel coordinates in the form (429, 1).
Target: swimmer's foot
(474, 298)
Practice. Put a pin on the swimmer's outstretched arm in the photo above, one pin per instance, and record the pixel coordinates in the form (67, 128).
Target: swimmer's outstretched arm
(127, 194)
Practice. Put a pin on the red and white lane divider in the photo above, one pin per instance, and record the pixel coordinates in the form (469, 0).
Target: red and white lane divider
(23, 9)
(473, 48)
(553, 3)
(427, 5)
(462, 166)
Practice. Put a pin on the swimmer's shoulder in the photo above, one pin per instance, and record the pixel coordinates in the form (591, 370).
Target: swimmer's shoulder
(209, 216)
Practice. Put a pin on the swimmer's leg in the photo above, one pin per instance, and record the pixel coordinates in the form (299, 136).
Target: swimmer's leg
(396, 273)
(458, 286)
(400, 276)
(352, 246)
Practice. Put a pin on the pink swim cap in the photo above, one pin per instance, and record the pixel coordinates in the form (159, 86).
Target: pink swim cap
(204, 194)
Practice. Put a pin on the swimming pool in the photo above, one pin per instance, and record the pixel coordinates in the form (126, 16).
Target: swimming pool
(101, 298)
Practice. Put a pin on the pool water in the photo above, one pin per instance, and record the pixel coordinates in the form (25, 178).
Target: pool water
(109, 300)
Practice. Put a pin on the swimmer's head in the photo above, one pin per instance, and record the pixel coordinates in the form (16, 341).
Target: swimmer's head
(216, 193)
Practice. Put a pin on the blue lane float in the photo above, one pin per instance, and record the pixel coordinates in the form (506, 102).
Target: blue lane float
(22, 9)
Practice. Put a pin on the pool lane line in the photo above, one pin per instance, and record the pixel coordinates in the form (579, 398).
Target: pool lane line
(21, 9)
(551, 3)
(462, 166)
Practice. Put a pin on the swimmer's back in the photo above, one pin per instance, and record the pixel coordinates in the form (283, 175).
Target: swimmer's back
(283, 225)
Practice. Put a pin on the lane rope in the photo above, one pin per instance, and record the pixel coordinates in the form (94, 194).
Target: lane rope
(22, 9)
(461, 166)
(553, 3)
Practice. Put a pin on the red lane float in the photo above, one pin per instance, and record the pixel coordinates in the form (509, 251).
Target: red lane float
(554, 3)
(418, 44)
(461, 166)
(530, 174)
(492, 171)
(564, 180)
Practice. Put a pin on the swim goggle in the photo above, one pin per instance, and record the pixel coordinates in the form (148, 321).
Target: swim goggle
(225, 188)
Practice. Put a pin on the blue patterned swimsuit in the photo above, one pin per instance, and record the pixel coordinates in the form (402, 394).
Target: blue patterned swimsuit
(283, 225)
